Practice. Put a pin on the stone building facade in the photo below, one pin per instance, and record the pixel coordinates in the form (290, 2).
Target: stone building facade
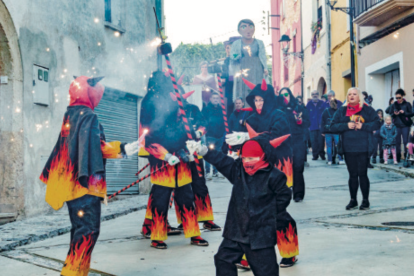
(43, 44)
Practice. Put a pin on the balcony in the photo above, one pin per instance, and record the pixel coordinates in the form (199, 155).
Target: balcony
(376, 12)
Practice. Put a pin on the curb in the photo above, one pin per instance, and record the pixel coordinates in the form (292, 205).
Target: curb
(63, 230)
(407, 172)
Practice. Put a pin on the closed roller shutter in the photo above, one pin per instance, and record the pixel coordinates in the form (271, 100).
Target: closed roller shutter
(118, 114)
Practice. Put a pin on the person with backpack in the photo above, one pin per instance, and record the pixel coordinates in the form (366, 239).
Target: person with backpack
(331, 139)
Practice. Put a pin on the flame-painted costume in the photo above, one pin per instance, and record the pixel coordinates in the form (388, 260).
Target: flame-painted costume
(167, 136)
(75, 172)
(298, 119)
(269, 124)
(251, 218)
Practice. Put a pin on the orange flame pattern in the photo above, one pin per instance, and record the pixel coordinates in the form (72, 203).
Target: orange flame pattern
(287, 168)
(79, 258)
(158, 227)
(203, 208)
(111, 150)
(157, 151)
(61, 183)
(148, 213)
(178, 213)
(183, 174)
(65, 130)
(190, 223)
(288, 243)
(97, 185)
(164, 177)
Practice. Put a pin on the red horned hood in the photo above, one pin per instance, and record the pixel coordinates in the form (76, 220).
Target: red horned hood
(86, 91)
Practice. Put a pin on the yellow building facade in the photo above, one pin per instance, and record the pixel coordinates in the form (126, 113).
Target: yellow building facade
(340, 52)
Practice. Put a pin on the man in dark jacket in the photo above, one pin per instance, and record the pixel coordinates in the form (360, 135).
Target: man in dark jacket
(378, 139)
(315, 109)
(238, 117)
(298, 119)
(213, 114)
(259, 189)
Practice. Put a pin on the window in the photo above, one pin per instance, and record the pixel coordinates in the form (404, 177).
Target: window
(320, 12)
(113, 12)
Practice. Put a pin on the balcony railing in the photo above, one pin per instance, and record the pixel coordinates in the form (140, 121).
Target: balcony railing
(362, 6)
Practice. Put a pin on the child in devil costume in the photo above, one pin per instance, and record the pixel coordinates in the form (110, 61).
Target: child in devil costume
(75, 171)
(268, 123)
(259, 192)
(298, 119)
(166, 146)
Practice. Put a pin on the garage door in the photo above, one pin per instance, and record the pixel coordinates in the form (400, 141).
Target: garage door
(118, 114)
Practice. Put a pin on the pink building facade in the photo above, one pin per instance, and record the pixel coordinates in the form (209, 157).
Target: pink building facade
(287, 69)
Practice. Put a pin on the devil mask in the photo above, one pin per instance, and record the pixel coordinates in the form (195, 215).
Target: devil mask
(86, 91)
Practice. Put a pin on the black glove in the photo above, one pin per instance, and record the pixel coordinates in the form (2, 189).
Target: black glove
(183, 155)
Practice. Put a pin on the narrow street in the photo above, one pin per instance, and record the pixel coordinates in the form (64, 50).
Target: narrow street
(332, 241)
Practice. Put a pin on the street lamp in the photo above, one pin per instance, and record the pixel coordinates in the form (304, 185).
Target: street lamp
(285, 43)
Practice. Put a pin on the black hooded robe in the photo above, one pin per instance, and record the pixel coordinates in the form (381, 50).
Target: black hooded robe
(293, 113)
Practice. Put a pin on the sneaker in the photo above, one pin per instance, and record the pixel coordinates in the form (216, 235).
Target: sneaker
(411, 157)
(244, 265)
(210, 225)
(315, 158)
(374, 160)
(288, 262)
(180, 227)
(199, 241)
(370, 166)
(172, 231)
(353, 204)
(159, 244)
(382, 161)
(298, 199)
(329, 163)
(385, 162)
(341, 162)
(365, 205)
(209, 176)
(395, 163)
(146, 231)
(215, 175)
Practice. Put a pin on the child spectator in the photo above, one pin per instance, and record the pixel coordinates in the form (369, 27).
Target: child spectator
(389, 135)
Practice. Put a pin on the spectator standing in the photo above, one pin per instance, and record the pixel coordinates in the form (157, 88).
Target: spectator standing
(315, 109)
(215, 129)
(378, 139)
(388, 134)
(401, 112)
(238, 117)
(356, 122)
(390, 103)
(331, 95)
(410, 145)
(332, 139)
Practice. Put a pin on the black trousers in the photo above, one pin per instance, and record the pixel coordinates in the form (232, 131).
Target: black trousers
(317, 141)
(158, 205)
(85, 216)
(405, 133)
(263, 262)
(299, 157)
(378, 147)
(357, 164)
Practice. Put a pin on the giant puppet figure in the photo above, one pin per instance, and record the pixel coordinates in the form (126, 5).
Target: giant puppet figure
(75, 171)
(268, 123)
(165, 145)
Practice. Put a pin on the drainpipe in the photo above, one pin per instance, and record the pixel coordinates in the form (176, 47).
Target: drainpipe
(328, 48)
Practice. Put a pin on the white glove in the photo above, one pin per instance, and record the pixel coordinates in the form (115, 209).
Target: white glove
(132, 148)
(233, 154)
(237, 138)
(171, 159)
(194, 146)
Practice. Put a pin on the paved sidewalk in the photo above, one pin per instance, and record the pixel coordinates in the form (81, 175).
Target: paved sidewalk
(56, 223)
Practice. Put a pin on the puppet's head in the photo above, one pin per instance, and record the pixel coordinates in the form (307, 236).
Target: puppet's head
(86, 91)
(261, 99)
